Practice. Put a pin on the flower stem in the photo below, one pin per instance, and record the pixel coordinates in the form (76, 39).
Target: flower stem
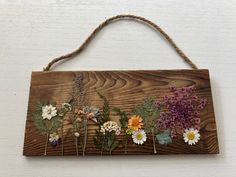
(153, 142)
(85, 135)
(102, 145)
(62, 139)
(76, 146)
(126, 143)
(46, 145)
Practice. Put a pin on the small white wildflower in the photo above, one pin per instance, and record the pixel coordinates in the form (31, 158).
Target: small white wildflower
(102, 130)
(66, 106)
(61, 114)
(110, 126)
(49, 112)
(117, 132)
(77, 134)
(53, 137)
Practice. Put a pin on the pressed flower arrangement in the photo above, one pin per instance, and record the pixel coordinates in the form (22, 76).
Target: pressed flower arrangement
(120, 112)
(145, 119)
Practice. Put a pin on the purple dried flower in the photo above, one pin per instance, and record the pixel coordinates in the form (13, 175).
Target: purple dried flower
(54, 139)
(158, 104)
(181, 110)
(56, 142)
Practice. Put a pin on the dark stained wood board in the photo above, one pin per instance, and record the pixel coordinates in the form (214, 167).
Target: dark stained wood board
(123, 89)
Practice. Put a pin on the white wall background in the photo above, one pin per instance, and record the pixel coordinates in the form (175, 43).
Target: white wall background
(33, 32)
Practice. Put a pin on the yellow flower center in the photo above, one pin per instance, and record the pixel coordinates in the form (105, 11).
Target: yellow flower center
(191, 135)
(139, 136)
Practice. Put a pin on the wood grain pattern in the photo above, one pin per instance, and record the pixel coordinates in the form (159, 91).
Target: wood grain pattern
(123, 89)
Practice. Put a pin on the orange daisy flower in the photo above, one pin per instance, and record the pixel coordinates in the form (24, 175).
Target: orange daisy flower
(135, 122)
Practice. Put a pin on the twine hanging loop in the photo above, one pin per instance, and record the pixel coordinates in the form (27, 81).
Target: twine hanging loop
(116, 18)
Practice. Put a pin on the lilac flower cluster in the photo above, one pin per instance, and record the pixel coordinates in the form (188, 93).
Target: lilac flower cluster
(180, 110)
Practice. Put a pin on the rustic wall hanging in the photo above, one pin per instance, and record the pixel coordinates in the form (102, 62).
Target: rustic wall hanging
(120, 112)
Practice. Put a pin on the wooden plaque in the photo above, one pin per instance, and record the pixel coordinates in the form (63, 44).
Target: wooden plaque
(120, 113)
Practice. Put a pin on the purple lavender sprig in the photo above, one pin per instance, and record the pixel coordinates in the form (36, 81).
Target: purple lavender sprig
(181, 110)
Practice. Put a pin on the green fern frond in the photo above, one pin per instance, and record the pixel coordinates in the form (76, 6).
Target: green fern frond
(105, 115)
(123, 117)
(39, 122)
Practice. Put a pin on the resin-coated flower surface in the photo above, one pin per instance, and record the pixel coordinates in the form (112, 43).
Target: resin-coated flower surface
(175, 114)
(191, 136)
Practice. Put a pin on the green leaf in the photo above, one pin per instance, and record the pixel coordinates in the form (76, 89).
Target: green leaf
(39, 122)
(55, 123)
(149, 113)
(123, 118)
(99, 139)
(105, 116)
(115, 145)
(164, 137)
(109, 142)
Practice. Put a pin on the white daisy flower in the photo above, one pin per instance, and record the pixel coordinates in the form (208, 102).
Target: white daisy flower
(139, 136)
(53, 137)
(49, 112)
(191, 136)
